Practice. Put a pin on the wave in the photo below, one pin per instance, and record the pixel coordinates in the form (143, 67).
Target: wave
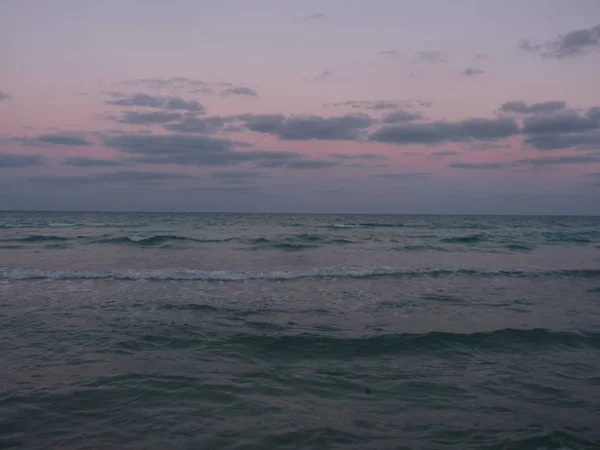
(520, 247)
(470, 239)
(36, 238)
(71, 225)
(366, 225)
(503, 340)
(297, 242)
(420, 248)
(582, 237)
(16, 273)
(154, 239)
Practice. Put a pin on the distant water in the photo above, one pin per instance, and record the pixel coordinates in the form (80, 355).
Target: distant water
(225, 331)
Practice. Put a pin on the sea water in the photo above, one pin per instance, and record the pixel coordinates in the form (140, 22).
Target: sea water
(235, 331)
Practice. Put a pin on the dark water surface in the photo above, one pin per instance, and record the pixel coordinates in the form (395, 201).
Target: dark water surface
(187, 331)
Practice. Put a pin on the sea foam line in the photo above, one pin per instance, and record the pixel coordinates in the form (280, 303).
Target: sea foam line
(17, 273)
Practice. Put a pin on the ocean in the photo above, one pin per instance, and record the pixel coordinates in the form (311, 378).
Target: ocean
(266, 331)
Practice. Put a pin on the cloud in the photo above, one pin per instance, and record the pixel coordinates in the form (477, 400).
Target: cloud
(543, 161)
(155, 101)
(323, 76)
(476, 166)
(348, 127)
(572, 44)
(262, 123)
(563, 129)
(60, 139)
(113, 177)
(561, 122)
(4, 96)
(439, 132)
(237, 176)
(430, 56)
(148, 118)
(401, 116)
(403, 175)
(192, 124)
(354, 156)
(479, 56)
(239, 91)
(312, 17)
(85, 161)
(559, 160)
(311, 164)
(555, 141)
(521, 107)
(471, 71)
(483, 146)
(443, 154)
(377, 105)
(15, 161)
(174, 83)
(185, 149)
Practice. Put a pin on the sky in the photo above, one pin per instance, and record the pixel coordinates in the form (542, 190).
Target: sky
(330, 106)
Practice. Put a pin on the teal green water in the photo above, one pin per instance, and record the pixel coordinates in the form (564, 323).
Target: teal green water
(177, 331)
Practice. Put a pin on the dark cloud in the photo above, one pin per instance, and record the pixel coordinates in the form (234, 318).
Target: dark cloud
(483, 146)
(543, 161)
(574, 43)
(403, 175)
(184, 149)
(311, 17)
(323, 76)
(155, 101)
(439, 132)
(554, 141)
(239, 91)
(593, 113)
(15, 161)
(348, 127)
(561, 122)
(29, 127)
(61, 139)
(431, 56)
(443, 154)
(193, 124)
(237, 176)
(148, 117)
(85, 161)
(563, 129)
(521, 107)
(471, 71)
(173, 149)
(377, 105)
(177, 103)
(145, 100)
(311, 164)
(4, 96)
(113, 177)
(476, 166)
(401, 116)
(262, 123)
(354, 156)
